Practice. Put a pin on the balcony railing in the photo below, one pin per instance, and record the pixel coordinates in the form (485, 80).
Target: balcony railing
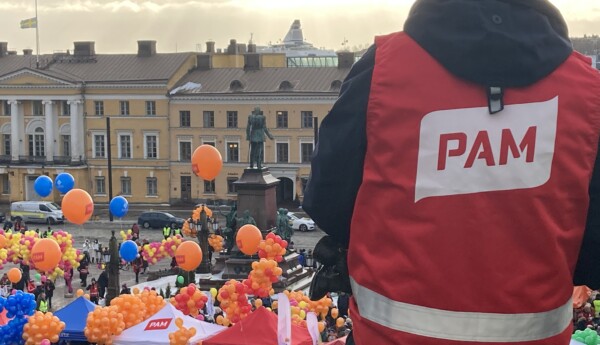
(32, 159)
(5, 158)
(56, 160)
(62, 159)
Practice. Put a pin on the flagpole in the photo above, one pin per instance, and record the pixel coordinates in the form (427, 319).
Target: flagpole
(37, 37)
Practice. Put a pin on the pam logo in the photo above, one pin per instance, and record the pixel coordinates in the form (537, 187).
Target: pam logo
(464, 151)
(89, 208)
(158, 324)
(180, 259)
(195, 168)
(37, 257)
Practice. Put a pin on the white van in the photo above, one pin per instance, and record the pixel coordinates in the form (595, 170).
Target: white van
(37, 212)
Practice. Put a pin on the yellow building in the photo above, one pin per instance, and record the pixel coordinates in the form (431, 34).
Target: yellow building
(53, 119)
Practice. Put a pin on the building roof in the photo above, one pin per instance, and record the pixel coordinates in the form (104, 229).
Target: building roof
(102, 68)
(223, 80)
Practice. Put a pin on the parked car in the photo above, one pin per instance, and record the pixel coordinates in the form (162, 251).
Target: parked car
(302, 224)
(159, 219)
(36, 212)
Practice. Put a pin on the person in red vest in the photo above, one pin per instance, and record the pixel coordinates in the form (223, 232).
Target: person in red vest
(462, 156)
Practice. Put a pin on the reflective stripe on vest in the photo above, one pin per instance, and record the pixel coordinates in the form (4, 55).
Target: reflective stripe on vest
(460, 326)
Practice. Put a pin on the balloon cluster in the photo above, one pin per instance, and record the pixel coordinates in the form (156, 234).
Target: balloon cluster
(153, 302)
(234, 302)
(198, 212)
(18, 306)
(126, 235)
(103, 324)
(42, 326)
(131, 307)
(182, 335)
(70, 256)
(300, 305)
(272, 247)
(587, 337)
(216, 242)
(260, 280)
(156, 251)
(187, 230)
(189, 300)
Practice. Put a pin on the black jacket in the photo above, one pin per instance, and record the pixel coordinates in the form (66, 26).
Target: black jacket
(506, 43)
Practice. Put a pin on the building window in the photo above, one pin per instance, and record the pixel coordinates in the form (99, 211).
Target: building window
(5, 184)
(232, 119)
(38, 108)
(126, 185)
(282, 119)
(306, 119)
(209, 187)
(99, 146)
(65, 108)
(151, 143)
(230, 185)
(151, 186)
(185, 151)
(282, 153)
(99, 108)
(6, 139)
(211, 143)
(185, 118)
(208, 119)
(150, 108)
(306, 150)
(37, 143)
(233, 152)
(125, 146)
(7, 108)
(124, 108)
(100, 185)
(66, 145)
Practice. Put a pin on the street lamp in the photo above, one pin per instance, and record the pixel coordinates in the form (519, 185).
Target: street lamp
(113, 269)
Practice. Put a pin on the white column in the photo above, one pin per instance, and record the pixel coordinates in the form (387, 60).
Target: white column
(15, 130)
(50, 133)
(76, 130)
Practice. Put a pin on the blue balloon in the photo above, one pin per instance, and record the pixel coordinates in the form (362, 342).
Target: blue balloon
(64, 182)
(119, 206)
(43, 186)
(128, 251)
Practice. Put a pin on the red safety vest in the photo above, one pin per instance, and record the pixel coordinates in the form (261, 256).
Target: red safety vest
(467, 226)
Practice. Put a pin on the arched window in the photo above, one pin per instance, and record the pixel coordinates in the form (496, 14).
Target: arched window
(336, 85)
(236, 85)
(286, 85)
(37, 143)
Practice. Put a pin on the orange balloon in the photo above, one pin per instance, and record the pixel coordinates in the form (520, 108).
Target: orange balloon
(45, 254)
(3, 241)
(248, 239)
(14, 275)
(321, 326)
(77, 206)
(339, 322)
(334, 313)
(188, 255)
(198, 210)
(207, 162)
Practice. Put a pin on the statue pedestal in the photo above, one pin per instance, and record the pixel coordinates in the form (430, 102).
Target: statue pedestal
(256, 191)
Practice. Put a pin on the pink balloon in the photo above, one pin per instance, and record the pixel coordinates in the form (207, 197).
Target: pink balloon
(45, 342)
(200, 317)
(44, 279)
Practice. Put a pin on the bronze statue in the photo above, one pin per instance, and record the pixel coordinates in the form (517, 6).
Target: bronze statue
(255, 133)
(246, 219)
(230, 223)
(284, 229)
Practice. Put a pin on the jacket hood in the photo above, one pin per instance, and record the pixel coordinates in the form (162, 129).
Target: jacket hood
(499, 43)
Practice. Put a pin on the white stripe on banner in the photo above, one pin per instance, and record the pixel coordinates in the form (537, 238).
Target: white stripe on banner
(460, 326)
(313, 327)
(284, 320)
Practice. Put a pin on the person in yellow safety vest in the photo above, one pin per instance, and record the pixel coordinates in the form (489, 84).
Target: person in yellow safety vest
(596, 304)
(42, 303)
(177, 231)
(166, 232)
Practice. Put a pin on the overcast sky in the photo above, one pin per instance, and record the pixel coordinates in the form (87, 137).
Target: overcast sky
(116, 25)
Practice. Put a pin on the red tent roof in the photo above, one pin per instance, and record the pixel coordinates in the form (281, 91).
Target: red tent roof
(260, 328)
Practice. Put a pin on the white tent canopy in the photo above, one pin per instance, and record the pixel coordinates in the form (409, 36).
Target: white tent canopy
(155, 330)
